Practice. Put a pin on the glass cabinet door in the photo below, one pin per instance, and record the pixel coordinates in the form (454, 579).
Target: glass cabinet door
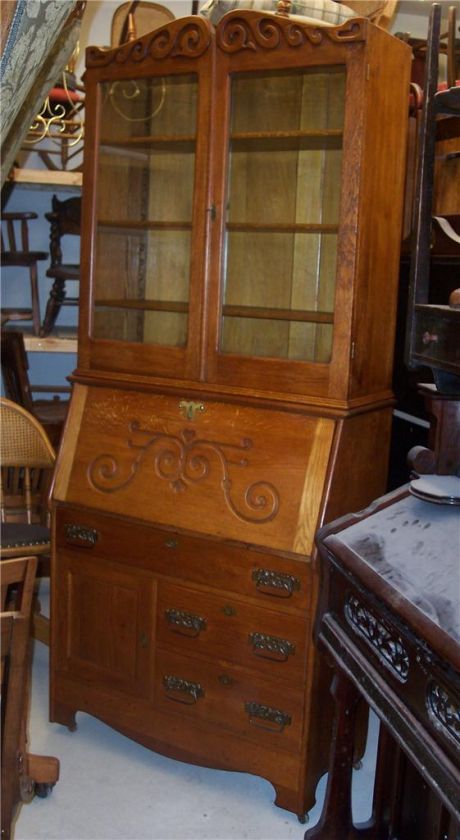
(282, 213)
(146, 165)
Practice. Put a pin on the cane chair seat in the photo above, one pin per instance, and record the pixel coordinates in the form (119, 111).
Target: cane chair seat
(27, 463)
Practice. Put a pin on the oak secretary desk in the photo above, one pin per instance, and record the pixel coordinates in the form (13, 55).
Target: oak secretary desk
(241, 224)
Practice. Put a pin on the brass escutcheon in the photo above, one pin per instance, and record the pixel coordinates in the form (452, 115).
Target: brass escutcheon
(189, 408)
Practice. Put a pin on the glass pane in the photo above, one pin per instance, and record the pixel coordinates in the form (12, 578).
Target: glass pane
(282, 214)
(144, 210)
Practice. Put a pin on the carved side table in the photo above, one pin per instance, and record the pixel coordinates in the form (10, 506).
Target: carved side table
(389, 619)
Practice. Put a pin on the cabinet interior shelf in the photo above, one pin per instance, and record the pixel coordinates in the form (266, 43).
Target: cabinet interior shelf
(328, 138)
(183, 143)
(232, 227)
(281, 141)
(261, 227)
(228, 310)
(128, 225)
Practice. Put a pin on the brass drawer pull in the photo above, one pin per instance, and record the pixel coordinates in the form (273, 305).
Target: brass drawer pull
(185, 623)
(184, 691)
(271, 647)
(171, 543)
(81, 534)
(278, 584)
(273, 720)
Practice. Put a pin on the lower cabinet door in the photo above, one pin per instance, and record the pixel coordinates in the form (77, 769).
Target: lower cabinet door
(105, 623)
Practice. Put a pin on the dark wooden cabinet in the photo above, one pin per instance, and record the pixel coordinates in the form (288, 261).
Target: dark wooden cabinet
(241, 217)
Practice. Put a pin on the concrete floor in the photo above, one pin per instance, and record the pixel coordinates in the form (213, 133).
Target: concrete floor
(114, 789)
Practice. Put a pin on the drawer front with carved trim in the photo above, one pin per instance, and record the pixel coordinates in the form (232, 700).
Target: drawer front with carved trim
(258, 475)
(277, 582)
(222, 627)
(229, 697)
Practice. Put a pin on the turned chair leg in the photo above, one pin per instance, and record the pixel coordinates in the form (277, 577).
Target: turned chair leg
(55, 300)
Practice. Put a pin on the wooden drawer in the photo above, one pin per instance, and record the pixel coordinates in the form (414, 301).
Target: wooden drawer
(230, 698)
(273, 580)
(221, 627)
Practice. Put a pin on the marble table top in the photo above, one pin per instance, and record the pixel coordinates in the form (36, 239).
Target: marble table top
(414, 546)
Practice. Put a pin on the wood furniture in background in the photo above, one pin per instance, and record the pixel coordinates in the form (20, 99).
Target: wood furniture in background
(50, 413)
(16, 253)
(136, 17)
(65, 220)
(433, 328)
(240, 247)
(22, 774)
(388, 618)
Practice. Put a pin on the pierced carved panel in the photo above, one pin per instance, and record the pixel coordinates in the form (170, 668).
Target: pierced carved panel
(444, 712)
(183, 461)
(380, 636)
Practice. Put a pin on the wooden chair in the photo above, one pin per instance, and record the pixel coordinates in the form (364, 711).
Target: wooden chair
(133, 19)
(17, 253)
(27, 464)
(65, 220)
(22, 774)
(51, 413)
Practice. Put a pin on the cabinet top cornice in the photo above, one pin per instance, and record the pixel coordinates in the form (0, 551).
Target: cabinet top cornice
(238, 30)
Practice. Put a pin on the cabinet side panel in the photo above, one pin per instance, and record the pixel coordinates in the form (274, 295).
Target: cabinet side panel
(380, 213)
(360, 463)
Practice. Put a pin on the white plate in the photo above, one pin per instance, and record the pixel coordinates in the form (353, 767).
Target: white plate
(441, 489)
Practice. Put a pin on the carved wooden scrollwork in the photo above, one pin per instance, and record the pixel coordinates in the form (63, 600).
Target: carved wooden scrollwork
(176, 39)
(444, 712)
(184, 460)
(252, 31)
(380, 636)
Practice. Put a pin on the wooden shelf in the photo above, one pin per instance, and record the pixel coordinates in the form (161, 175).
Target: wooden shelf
(272, 314)
(129, 226)
(232, 227)
(260, 227)
(229, 310)
(144, 305)
(149, 143)
(46, 179)
(273, 141)
(60, 341)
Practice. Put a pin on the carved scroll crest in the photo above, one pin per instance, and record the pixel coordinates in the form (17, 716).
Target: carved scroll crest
(190, 41)
(237, 32)
(184, 460)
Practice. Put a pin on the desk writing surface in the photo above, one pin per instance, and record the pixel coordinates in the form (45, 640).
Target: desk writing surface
(414, 546)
